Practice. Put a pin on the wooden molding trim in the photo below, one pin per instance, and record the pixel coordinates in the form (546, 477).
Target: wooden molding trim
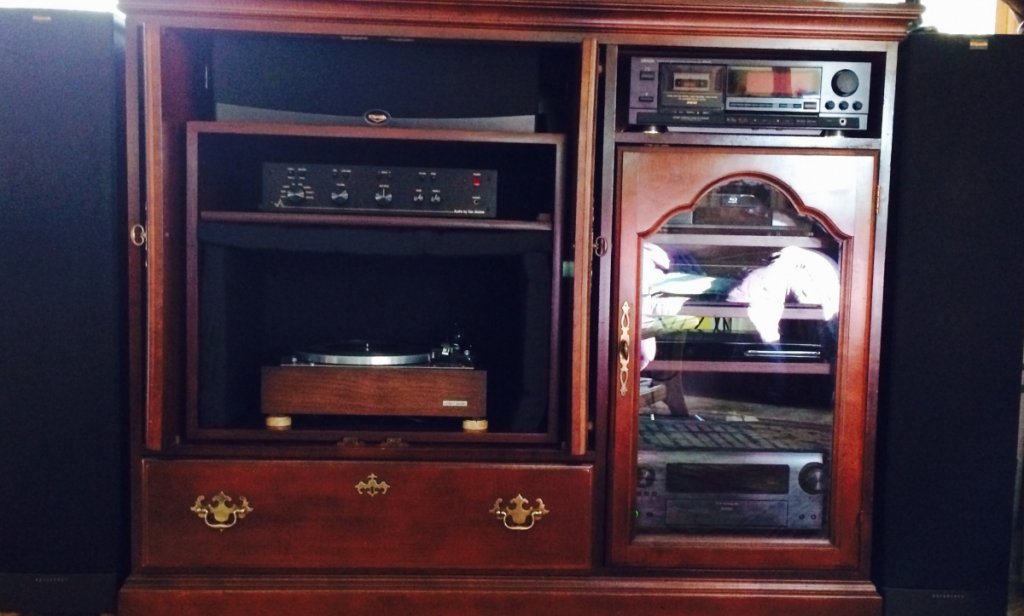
(733, 18)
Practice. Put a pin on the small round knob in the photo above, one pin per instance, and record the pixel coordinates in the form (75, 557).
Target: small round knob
(845, 82)
(339, 196)
(294, 194)
(812, 478)
(645, 476)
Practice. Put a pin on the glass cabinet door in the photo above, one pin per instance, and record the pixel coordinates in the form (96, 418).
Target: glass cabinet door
(739, 376)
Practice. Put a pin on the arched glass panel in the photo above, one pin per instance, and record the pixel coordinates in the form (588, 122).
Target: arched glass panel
(739, 302)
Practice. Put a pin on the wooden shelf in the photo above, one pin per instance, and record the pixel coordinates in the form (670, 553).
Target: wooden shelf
(772, 237)
(752, 139)
(286, 129)
(368, 220)
(738, 311)
(745, 367)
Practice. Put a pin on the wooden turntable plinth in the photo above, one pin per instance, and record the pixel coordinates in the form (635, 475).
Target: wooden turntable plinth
(407, 391)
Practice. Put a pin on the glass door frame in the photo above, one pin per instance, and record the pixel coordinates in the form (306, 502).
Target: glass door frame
(837, 189)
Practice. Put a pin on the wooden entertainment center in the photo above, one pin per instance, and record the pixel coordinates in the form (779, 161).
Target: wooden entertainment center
(666, 310)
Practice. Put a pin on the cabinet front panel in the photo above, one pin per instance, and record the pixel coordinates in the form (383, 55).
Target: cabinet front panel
(339, 515)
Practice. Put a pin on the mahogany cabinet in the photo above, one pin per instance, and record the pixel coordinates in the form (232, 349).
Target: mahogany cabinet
(488, 306)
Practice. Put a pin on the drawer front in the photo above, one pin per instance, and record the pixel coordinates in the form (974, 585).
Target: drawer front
(363, 515)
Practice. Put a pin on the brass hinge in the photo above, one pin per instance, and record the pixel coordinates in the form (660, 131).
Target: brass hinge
(137, 235)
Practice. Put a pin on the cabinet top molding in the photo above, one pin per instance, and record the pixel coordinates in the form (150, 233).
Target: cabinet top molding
(819, 19)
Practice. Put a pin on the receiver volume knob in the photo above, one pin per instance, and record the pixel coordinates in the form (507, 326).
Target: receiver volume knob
(845, 82)
(812, 478)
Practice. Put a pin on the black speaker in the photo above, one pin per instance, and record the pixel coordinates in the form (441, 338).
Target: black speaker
(953, 328)
(62, 316)
(487, 86)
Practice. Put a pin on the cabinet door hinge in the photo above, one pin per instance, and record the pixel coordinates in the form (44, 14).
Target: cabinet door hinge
(137, 235)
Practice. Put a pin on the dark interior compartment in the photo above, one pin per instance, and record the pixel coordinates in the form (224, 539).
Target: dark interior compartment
(268, 289)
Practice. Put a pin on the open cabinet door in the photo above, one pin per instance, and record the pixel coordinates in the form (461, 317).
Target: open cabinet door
(163, 232)
(583, 250)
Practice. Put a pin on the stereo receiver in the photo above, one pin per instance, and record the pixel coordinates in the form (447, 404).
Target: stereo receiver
(730, 490)
(406, 191)
(803, 97)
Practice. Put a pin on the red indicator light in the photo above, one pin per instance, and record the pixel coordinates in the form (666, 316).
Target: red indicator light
(476, 181)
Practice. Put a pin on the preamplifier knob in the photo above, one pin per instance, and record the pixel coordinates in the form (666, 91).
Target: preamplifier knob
(845, 82)
(812, 478)
(383, 196)
(339, 196)
(294, 193)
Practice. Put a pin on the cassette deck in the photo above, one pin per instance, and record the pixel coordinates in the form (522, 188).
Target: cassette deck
(715, 95)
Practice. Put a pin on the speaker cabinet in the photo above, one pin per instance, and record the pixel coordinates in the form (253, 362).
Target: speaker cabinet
(482, 86)
(953, 328)
(62, 315)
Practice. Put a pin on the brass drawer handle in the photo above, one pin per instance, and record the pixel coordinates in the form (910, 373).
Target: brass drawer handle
(224, 513)
(519, 517)
(371, 486)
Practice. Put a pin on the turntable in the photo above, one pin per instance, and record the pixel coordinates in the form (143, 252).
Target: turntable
(365, 378)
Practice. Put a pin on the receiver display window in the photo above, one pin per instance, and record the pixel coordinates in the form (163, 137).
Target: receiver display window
(727, 478)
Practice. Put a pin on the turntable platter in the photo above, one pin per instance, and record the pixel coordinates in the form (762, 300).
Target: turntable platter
(363, 353)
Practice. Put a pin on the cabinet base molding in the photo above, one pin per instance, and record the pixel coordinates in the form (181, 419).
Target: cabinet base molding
(443, 595)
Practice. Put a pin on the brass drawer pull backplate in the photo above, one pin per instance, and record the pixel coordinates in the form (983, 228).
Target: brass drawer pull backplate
(371, 486)
(518, 516)
(220, 512)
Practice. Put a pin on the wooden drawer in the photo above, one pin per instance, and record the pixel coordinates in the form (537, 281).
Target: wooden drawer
(339, 515)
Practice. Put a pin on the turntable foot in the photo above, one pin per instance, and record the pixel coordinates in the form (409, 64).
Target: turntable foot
(278, 422)
(478, 426)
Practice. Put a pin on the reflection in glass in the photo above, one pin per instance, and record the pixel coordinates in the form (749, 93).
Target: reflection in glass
(740, 298)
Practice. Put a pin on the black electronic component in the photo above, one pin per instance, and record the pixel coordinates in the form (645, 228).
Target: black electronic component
(406, 191)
